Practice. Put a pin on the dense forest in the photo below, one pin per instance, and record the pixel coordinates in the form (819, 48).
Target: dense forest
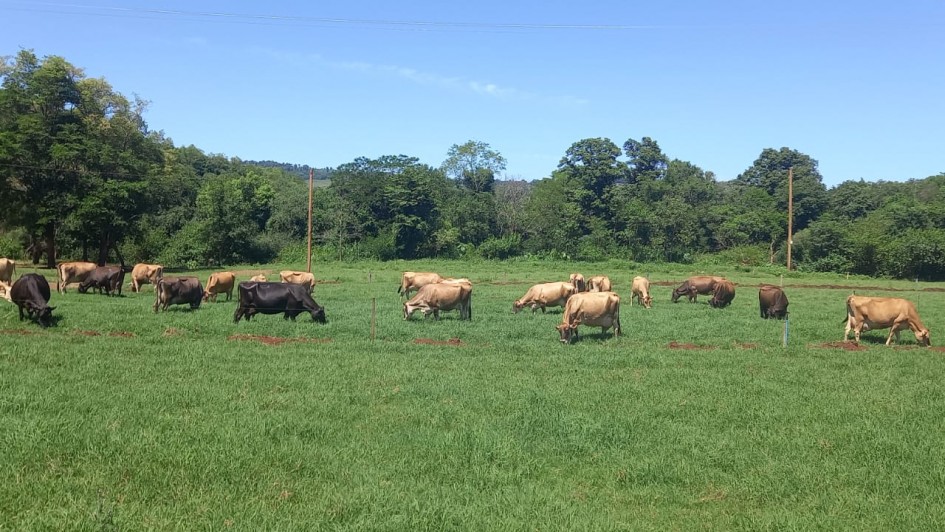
(83, 177)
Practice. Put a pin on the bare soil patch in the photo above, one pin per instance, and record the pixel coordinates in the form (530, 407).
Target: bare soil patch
(456, 342)
(122, 334)
(19, 332)
(171, 331)
(276, 340)
(88, 333)
(846, 346)
(688, 347)
(746, 346)
(939, 349)
(820, 286)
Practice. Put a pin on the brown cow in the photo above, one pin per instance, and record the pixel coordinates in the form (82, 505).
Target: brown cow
(640, 290)
(301, 278)
(693, 286)
(258, 278)
(177, 291)
(772, 302)
(596, 309)
(599, 283)
(723, 294)
(865, 313)
(578, 281)
(219, 283)
(7, 270)
(413, 281)
(104, 279)
(5, 291)
(441, 296)
(145, 273)
(545, 295)
(73, 272)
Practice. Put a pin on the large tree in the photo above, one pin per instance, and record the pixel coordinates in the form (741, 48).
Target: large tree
(769, 172)
(474, 164)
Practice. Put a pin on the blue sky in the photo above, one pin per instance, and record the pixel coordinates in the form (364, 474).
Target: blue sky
(858, 86)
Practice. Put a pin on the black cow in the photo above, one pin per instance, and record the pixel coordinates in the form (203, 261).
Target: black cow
(104, 279)
(772, 302)
(273, 298)
(31, 291)
(178, 291)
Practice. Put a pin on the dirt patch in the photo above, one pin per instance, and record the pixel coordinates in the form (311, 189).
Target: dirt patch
(846, 346)
(819, 286)
(509, 283)
(938, 349)
(456, 342)
(251, 273)
(171, 332)
(88, 333)
(746, 346)
(122, 334)
(276, 340)
(689, 347)
(327, 281)
(19, 332)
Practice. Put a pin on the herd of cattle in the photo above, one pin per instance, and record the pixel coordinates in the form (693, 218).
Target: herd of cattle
(589, 302)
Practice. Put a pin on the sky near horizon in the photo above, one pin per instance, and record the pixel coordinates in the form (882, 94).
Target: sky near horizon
(858, 86)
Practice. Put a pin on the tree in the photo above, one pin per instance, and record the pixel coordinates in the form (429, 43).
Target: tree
(592, 166)
(770, 173)
(474, 164)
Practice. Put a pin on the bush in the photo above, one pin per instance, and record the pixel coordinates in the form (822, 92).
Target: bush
(501, 248)
(10, 244)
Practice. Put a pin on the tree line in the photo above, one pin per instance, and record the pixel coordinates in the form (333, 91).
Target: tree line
(83, 177)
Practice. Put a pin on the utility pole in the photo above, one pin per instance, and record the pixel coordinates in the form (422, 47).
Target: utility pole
(311, 186)
(790, 214)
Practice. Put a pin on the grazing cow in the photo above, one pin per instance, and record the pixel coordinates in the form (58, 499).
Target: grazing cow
(441, 296)
(578, 281)
(545, 295)
(413, 281)
(595, 309)
(219, 283)
(258, 278)
(145, 273)
(5, 291)
(104, 279)
(723, 294)
(865, 313)
(73, 272)
(772, 302)
(299, 278)
(177, 291)
(273, 298)
(693, 286)
(31, 292)
(599, 283)
(7, 270)
(640, 290)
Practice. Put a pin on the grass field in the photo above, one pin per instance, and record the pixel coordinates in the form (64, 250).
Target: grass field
(696, 418)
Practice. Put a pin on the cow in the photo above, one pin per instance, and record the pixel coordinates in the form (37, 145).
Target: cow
(865, 313)
(73, 272)
(578, 281)
(177, 291)
(693, 286)
(273, 298)
(219, 283)
(599, 283)
(723, 294)
(595, 309)
(145, 273)
(543, 295)
(772, 302)
(5, 291)
(7, 270)
(104, 279)
(640, 290)
(413, 281)
(31, 292)
(300, 278)
(258, 278)
(441, 296)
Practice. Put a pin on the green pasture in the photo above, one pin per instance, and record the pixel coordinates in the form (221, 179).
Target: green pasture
(122, 419)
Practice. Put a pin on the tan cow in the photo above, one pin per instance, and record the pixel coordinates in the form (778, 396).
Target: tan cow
(258, 278)
(302, 278)
(640, 290)
(7, 270)
(578, 281)
(73, 272)
(693, 286)
(595, 309)
(412, 281)
(865, 313)
(599, 283)
(219, 283)
(5, 291)
(145, 273)
(544, 295)
(435, 297)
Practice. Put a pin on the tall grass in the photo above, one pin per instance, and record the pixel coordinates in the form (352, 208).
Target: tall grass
(122, 418)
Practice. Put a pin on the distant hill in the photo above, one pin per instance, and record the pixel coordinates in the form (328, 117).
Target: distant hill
(301, 170)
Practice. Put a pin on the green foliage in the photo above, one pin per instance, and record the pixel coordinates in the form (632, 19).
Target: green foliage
(501, 247)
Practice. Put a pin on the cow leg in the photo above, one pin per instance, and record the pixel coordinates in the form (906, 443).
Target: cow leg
(238, 314)
(229, 295)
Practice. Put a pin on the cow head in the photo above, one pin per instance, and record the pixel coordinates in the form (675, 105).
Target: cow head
(681, 291)
(318, 314)
(648, 301)
(567, 333)
(922, 336)
(516, 307)
(206, 296)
